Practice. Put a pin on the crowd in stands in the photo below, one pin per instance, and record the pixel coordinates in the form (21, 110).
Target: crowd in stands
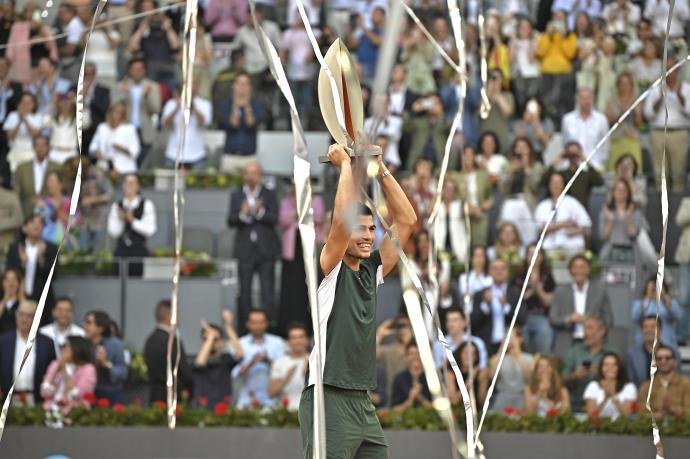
(559, 75)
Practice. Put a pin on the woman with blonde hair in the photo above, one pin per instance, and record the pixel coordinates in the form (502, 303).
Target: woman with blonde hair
(546, 391)
(116, 142)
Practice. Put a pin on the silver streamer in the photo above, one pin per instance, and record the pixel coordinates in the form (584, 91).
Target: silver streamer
(74, 203)
(305, 216)
(485, 106)
(540, 242)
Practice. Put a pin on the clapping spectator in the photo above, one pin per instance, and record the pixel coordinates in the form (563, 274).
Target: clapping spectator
(297, 52)
(670, 313)
(670, 394)
(409, 386)
(54, 207)
(47, 85)
(546, 391)
(24, 54)
(116, 144)
(524, 63)
(476, 381)
(647, 67)
(498, 119)
(626, 138)
(63, 142)
(109, 357)
(70, 378)
(476, 278)
(515, 374)
(225, 17)
(193, 152)
(12, 295)
(96, 194)
(240, 118)
(63, 325)
(474, 186)
(610, 395)
(288, 372)
(21, 128)
(10, 94)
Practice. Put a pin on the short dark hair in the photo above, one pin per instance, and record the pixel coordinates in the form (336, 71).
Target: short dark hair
(411, 344)
(39, 137)
(661, 346)
(163, 308)
(136, 60)
(216, 328)
(82, 351)
(64, 299)
(654, 318)
(295, 326)
(31, 217)
(102, 320)
(571, 143)
(579, 256)
(257, 311)
(243, 73)
(455, 310)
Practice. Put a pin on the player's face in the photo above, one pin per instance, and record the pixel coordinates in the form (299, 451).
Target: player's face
(362, 237)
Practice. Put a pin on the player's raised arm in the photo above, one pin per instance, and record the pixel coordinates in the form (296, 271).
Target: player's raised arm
(343, 210)
(402, 215)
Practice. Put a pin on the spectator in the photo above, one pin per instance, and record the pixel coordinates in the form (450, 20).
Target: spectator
(515, 374)
(21, 128)
(493, 307)
(379, 396)
(524, 63)
(297, 52)
(10, 216)
(109, 355)
(261, 349)
(671, 137)
(12, 295)
(385, 125)
(103, 48)
(142, 99)
(391, 355)
(587, 126)
(574, 303)
(131, 221)
(477, 382)
(658, 13)
(156, 356)
(34, 257)
(116, 145)
(70, 49)
(670, 313)
(193, 152)
(63, 142)
(418, 58)
(490, 157)
(508, 246)
(502, 109)
(225, 17)
(294, 298)
(533, 127)
(566, 164)
(683, 259)
(571, 223)
(626, 138)
(12, 346)
(622, 17)
(240, 118)
(25, 55)
(626, 169)
(639, 355)
(70, 378)
(457, 333)
(156, 41)
(203, 61)
(440, 32)
(10, 95)
(610, 395)
(556, 50)
(338, 16)
(96, 194)
(47, 85)
(671, 391)
(498, 55)
(222, 85)
(546, 391)
(423, 187)
(289, 371)
(428, 130)
(582, 361)
(63, 325)
(647, 67)
(96, 104)
(449, 226)
(254, 211)
(410, 388)
(474, 187)
(215, 361)
(537, 331)
(54, 207)
(118, 9)
(366, 39)
(476, 278)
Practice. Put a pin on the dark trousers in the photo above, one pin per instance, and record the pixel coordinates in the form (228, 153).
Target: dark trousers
(247, 267)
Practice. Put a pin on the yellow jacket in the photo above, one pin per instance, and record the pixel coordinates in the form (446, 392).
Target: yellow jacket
(556, 53)
(499, 58)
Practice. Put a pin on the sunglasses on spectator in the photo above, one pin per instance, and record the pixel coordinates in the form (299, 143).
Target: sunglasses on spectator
(662, 358)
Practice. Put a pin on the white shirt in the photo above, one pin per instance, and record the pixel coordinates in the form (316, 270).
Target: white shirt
(21, 148)
(594, 391)
(63, 140)
(194, 148)
(391, 127)
(39, 175)
(396, 100)
(678, 115)
(293, 389)
(146, 225)
(58, 336)
(580, 302)
(300, 65)
(471, 178)
(587, 132)
(474, 284)
(570, 209)
(657, 12)
(498, 312)
(524, 49)
(622, 21)
(496, 165)
(136, 94)
(313, 12)
(102, 54)
(25, 380)
(74, 31)
(30, 271)
(124, 135)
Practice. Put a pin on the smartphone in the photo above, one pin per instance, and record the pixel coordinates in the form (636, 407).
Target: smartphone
(587, 364)
(427, 103)
(36, 16)
(532, 107)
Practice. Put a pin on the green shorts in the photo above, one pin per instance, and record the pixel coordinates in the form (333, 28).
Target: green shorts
(352, 428)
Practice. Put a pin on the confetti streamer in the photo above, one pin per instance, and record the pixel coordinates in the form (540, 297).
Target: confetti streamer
(74, 203)
(485, 106)
(305, 216)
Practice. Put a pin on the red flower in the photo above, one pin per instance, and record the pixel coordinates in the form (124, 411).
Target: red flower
(256, 404)
(160, 405)
(227, 399)
(510, 411)
(186, 269)
(221, 409)
(90, 398)
(178, 410)
(285, 402)
(103, 403)
(203, 401)
(137, 402)
(62, 403)
(21, 397)
(635, 407)
(119, 408)
(553, 412)
(595, 414)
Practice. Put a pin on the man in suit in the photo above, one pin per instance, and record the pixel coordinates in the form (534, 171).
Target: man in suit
(10, 93)
(254, 212)
(12, 345)
(572, 303)
(33, 257)
(143, 100)
(96, 100)
(29, 178)
(493, 307)
(156, 355)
